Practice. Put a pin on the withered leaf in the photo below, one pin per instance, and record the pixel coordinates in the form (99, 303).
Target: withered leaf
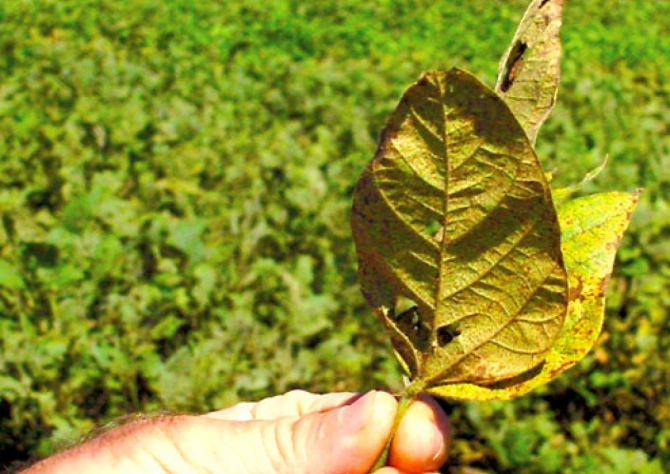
(529, 72)
(453, 219)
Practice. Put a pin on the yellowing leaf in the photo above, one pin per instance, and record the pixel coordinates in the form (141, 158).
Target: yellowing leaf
(529, 72)
(592, 227)
(457, 237)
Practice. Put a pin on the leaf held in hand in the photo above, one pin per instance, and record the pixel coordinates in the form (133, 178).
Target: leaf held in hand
(592, 227)
(453, 220)
(529, 72)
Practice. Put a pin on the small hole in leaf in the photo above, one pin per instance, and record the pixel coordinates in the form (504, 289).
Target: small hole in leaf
(402, 304)
(433, 226)
(446, 334)
(434, 229)
(409, 317)
(411, 324)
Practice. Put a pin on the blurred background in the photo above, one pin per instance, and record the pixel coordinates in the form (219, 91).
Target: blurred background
(175, 186)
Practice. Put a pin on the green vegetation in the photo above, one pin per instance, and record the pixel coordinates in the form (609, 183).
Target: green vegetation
(175, 187)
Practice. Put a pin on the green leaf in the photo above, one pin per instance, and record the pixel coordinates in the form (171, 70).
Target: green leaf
(10, 277)
(529, 72)
(453, 220)
(592, 227)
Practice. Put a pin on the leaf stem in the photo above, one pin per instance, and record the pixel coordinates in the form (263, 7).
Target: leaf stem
(406, 399)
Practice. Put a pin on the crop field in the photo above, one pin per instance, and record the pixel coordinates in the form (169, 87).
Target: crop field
(175, 188)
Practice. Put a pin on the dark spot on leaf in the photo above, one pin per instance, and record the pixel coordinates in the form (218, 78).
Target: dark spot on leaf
(446, 334)
(576, 291)
(514, 63)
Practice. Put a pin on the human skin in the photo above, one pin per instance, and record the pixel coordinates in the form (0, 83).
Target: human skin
(298, 432)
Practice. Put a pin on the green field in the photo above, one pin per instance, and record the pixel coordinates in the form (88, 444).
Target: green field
(175, 186)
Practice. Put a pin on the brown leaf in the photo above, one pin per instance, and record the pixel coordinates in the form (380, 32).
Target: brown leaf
(453, 218)
(529, 72)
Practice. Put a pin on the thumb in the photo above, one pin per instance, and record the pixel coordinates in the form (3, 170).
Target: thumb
(343, 440)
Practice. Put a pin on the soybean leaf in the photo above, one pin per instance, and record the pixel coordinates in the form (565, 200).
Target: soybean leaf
(10, 276)
(457, 238)
(529, 72)
(592, 227)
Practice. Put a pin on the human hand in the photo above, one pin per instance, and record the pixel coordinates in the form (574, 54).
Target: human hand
(299, 432)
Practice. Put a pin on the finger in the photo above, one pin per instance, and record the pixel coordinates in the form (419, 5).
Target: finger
(347, 439)
(422, 440)
(387, 470)
(292, 404)
(392, 470)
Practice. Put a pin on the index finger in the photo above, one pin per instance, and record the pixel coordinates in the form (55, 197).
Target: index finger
(296, 403)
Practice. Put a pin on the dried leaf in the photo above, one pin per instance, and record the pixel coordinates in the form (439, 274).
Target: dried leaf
(453, 221)
(529, 72)
(592, 227)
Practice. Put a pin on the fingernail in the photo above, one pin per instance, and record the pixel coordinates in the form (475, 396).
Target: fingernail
(354, 417)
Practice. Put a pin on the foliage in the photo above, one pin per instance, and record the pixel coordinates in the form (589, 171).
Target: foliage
(461, 256)
(454, 216)
(175, 180)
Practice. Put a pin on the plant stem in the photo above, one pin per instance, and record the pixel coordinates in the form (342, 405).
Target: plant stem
(405, 401)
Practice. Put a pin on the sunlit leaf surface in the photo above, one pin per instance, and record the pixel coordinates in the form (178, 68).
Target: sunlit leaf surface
(457, 237)
(592, 227)
(529, 73)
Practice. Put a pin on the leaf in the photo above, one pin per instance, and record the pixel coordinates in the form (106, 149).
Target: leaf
(529, 72)
(10, 276)
(592, 227)
(453, 219)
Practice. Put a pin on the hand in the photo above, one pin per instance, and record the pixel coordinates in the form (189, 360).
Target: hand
(338, 433)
